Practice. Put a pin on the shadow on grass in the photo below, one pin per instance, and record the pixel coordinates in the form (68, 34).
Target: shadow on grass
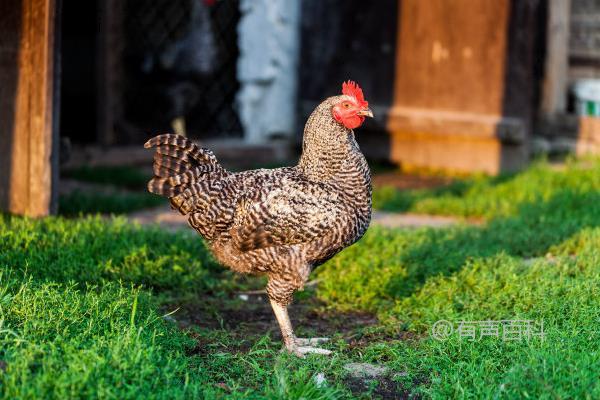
(391, 264)
(530, 233)
(94, 250)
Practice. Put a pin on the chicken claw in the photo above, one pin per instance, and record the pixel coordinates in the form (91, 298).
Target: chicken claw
(302, 350)
(311, 341)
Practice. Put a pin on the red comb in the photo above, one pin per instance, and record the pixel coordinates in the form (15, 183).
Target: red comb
(351, 88)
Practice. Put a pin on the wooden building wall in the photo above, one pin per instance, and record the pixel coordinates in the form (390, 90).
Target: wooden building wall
(454, 83)
(466, 86)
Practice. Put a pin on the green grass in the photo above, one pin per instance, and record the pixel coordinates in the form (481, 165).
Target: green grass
(80, 317)
(563, 294)
(81, 303)
(415, 278)
(493, 196)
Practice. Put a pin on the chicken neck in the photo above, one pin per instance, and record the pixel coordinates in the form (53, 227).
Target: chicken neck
(329, 150)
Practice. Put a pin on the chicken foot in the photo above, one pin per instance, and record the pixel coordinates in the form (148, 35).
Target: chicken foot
(294, 345)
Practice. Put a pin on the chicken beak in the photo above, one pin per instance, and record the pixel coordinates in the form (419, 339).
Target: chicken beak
(365, 113)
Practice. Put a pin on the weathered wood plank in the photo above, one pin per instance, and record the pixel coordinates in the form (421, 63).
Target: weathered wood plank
(464, 84)
(26, 55)
(554, 92)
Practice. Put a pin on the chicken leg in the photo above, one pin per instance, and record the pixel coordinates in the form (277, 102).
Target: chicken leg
(294, 345)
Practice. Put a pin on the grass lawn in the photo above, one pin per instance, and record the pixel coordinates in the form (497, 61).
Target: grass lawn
(94, 308)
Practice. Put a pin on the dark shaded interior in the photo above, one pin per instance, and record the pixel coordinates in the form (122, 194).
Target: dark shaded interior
(78, 119)
(10, 32)
(161, 50)
(179, 59)
(338, 39)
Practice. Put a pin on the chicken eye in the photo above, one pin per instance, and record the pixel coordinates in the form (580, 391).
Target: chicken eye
(346, 105)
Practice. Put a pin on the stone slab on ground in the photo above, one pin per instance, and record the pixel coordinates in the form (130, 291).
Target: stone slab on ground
(365, 370)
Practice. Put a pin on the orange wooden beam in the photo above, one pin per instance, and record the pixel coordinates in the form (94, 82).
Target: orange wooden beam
(27, 59)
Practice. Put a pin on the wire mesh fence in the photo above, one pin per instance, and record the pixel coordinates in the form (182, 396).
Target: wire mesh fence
(178, 68)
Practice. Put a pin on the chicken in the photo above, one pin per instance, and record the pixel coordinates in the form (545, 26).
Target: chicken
(280, 222)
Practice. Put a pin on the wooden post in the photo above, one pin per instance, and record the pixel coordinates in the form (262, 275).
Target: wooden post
(26, 106)
(463, 87)
(554, 98)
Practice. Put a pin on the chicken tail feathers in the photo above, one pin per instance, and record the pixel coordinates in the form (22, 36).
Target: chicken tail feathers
(179, 164)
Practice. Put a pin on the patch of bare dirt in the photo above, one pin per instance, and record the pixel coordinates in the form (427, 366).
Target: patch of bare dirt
(407, 220)
(163, 215)
(253, 318)
(410, 181)
(384, 387)
(248, 317)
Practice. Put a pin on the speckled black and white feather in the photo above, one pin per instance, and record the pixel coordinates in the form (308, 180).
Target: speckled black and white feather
(281, 222)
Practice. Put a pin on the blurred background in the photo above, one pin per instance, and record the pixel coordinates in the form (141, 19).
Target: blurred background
(457, 86)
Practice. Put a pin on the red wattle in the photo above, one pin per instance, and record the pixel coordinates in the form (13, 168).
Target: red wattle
(353, 122)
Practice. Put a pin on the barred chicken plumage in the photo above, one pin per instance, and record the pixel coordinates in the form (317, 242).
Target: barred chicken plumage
(280, 222)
